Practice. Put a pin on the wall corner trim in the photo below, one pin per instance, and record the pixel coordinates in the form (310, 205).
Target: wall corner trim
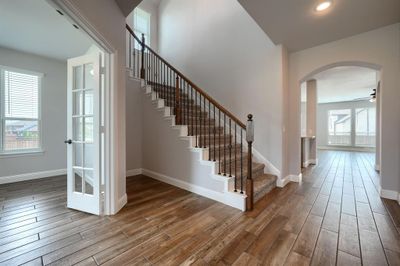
(32, 176)
(282, 182)
(121, 203)
(389, 194)
(133, 172)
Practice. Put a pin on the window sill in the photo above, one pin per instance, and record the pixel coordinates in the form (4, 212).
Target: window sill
(4, 155)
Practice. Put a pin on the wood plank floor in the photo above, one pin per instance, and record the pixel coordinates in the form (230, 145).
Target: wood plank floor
(335, 217)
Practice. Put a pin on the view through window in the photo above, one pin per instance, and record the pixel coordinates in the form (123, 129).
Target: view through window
(141, 24)
(365, 127)
(339, 127)
(20, 117)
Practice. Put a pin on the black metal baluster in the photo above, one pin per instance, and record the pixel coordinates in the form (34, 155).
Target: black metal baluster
(209, 131)
(241, 161)
(191, 111)
(219, 144)
(201, 125)
(235, 161)
(196, 120)
(230, 148)
(224, 144)
(204, 121)
(215, 126)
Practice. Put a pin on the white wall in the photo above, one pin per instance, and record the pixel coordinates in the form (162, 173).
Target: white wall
(134, 125)
(54, 114)
(152, 8)
(322, 117)
(108, 20)
(221, 49)
(381, 49)
(168, 154)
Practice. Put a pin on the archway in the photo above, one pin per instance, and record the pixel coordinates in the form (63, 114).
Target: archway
(352, 137)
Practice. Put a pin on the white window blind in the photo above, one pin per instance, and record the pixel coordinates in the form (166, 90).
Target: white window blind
(20, 117)
(21, 95)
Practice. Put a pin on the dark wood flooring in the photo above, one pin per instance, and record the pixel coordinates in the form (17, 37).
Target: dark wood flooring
(335, 217)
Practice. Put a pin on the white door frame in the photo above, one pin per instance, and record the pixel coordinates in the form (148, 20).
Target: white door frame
(108, 108)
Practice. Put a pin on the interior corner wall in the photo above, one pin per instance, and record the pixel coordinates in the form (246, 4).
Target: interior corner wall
(108, 20)
(134, 125)
(379, 48)
(222, 49)
(53, 115)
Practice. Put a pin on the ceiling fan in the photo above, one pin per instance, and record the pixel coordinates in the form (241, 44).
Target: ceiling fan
(371, 97)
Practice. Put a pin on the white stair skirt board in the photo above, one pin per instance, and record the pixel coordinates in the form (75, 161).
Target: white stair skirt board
(281, 182)
(232, 199)
(32, 176)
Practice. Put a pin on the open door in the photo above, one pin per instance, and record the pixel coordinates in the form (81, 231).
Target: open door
(83, 134)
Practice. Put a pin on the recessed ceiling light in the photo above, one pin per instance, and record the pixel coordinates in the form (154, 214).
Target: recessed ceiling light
(323, 6)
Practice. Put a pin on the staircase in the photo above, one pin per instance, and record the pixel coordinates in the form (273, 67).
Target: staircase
(223, 138)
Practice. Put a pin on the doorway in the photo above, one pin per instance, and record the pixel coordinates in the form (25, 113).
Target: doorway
(57, 99)
(340, 111)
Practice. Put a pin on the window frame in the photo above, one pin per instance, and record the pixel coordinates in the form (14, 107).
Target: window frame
(351, 127)
(135, 30)
(3, 118)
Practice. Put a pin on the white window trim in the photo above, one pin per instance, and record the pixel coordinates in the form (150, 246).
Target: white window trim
(352, 132)
(148, 40)
(20, 152)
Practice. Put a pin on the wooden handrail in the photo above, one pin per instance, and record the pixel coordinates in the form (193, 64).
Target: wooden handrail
(203, 93)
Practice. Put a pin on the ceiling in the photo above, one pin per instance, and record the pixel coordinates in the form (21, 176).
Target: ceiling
(341, 84)
(35, 27)
(296, 24)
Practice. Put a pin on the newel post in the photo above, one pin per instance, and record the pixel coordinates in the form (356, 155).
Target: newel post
(249, 180)
(177, 101)
(142, 70)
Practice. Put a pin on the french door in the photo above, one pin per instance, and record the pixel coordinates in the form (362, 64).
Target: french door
(83, 134)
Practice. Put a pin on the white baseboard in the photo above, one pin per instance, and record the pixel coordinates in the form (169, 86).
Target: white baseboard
(281, 182)
(313, 161)
(346, 148)
(121, 203)
(31, 176)
(232, 199)
(389, 194)
(377, 167)
(134, 172)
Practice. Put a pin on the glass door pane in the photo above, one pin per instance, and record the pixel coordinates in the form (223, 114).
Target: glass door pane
(339, 127)
(365, 127)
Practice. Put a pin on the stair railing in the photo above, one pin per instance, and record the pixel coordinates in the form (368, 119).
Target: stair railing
(213, 126)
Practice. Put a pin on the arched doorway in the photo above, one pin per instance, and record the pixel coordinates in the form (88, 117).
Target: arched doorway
(340, 109)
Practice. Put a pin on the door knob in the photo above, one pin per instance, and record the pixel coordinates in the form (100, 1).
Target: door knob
(68, 141)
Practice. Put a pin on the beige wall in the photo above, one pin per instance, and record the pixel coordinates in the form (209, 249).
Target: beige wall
(222, 49)
(380, 49)
(134, 125)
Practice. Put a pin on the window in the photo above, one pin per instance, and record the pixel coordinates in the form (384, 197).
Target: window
(339, 127)
(19, 110)
(141, 25)
(365, 127)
